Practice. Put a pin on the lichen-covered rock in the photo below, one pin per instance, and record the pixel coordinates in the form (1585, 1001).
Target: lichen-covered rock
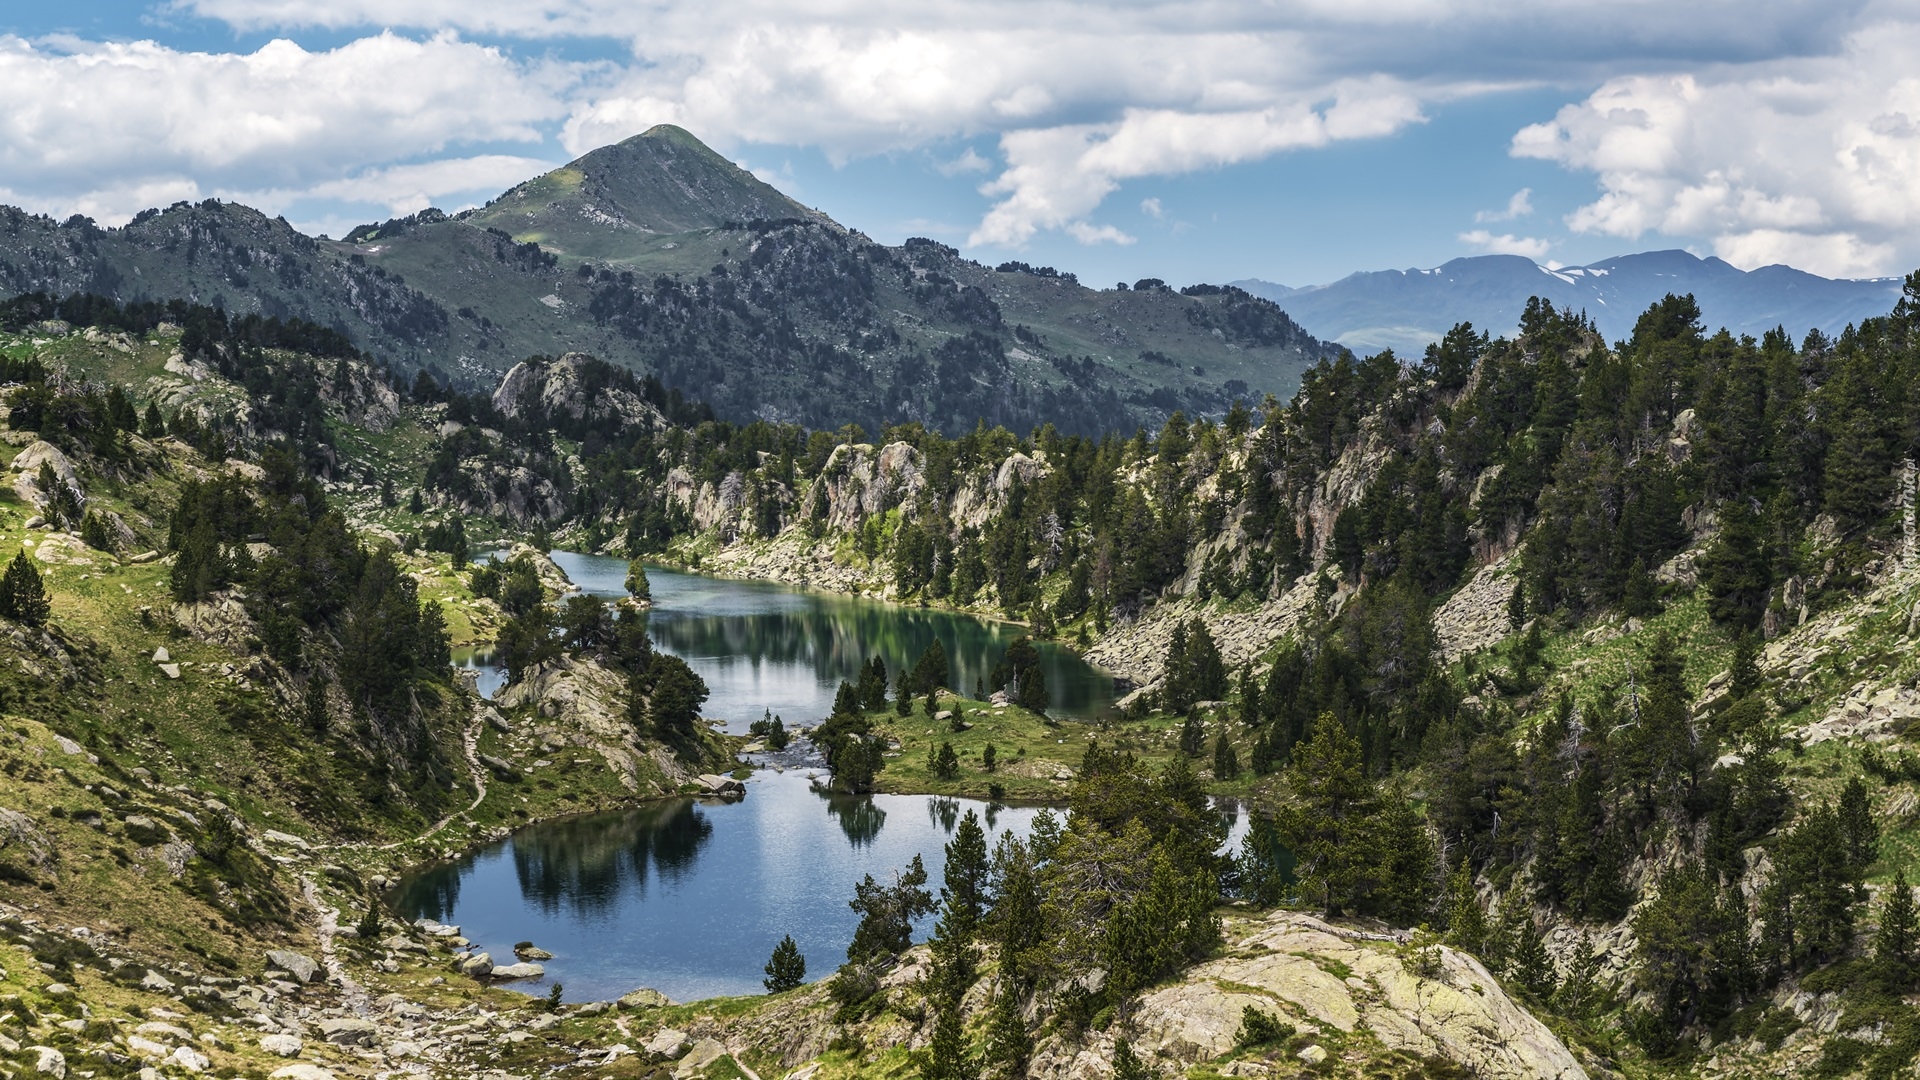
(1333, 977)
(27, 465)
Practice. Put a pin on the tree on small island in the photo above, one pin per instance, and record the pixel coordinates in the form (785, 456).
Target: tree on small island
(638, 586)
(786, 969)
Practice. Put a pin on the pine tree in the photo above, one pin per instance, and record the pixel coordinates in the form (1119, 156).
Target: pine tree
(1193, 737)
(786, 969)
(1529, 963)
(638, 586)
(1226, 763)
(1008, 1043)
(965, 894)
(316, 706)
(1894, 945)
(23, 596)
(1857, 826)
(1128, 1066)
(1466, 920)
(1641, 595)
(1329, 822)
(949, 975)
(151, 425)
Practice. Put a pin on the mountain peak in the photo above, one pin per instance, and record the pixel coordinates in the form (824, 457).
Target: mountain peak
(661, 182)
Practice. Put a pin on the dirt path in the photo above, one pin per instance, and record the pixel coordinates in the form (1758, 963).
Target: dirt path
(470, 743)
(352, 994)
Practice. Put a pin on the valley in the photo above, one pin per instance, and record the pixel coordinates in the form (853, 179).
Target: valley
(1541, 708)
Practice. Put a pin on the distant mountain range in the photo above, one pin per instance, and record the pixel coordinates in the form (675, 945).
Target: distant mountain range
(1405, 309)
(660, 255)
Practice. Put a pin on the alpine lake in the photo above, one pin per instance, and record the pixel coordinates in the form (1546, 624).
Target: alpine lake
(689, 896)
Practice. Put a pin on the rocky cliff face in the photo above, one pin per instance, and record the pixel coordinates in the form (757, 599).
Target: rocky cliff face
(575, 386)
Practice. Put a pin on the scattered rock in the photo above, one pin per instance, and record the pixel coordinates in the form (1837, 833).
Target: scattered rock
(172, 671)
(1313, 1055)
(283, 1045)
(478, 966)
(186, 1057)
(50, 1061)
(644, 998)
(301, 1071)
(666, 1044)
(156, 982)
(704, 1053)
(162, 656)
(348, 1031)
(714, 784)
(530, 952)
(518, 971)
(300, 967)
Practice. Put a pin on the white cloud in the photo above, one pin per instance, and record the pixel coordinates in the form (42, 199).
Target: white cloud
(1152, 208)
(102, 127)
(1090, 93)
(1521, 205)
(404, 189)
(1057, 176)
(1532, 247)
(969, 161)
(1815, 162)
(1082, 95)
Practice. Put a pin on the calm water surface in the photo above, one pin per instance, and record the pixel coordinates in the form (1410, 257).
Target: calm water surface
(763, 646)
(689, 897)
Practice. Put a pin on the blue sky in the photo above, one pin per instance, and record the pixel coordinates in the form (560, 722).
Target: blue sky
(1292, 140)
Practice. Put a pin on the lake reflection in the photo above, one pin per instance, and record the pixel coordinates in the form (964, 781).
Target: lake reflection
(762, 646)
(690, 897)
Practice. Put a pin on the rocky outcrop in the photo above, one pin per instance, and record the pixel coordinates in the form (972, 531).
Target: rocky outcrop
(575, 386)
(1319, 976)
(858, 482)
(1137, 650)
(581, 702)
(1476, 616)
(1371, 993)
(979, 502)
(26, 482)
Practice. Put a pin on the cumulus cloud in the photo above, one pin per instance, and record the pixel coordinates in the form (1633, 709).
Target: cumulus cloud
(1057, 176)
(1812, 161)
(404, 189)
(1532, 247)
(1521, 205)
(969, 161)
(1082, 94)
(105, 127)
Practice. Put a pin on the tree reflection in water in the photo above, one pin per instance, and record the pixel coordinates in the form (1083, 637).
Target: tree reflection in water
(858, 816)
(944, 812)
(585, 863)
(757, 636)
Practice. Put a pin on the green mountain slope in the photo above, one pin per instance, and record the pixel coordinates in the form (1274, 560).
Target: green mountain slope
(607, 204)
(659, 255)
